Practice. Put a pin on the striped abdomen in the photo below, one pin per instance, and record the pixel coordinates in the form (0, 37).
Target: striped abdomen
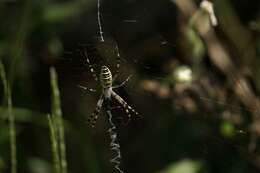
(105, 77)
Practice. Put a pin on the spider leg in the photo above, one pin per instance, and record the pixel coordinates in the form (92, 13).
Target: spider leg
(87, 89)
(90, 66)
(118, 60)
(124, 104)
(94, 116)
(123, 83)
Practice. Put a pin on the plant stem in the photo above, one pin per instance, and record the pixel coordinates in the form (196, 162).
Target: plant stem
(57, 115)
(11, 119)
(54, 145)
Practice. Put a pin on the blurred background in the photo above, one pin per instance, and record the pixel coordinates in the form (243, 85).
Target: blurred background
(194, 83)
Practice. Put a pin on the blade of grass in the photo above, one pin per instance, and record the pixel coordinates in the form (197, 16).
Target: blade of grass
(57, 115)
(54, 145)
(3, 78)
(12, 131)
(19, 38)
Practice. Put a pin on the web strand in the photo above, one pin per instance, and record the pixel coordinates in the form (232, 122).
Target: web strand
(99, 22)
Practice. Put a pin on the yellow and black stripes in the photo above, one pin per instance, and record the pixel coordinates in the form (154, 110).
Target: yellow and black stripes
(106, 77)
(106, 81)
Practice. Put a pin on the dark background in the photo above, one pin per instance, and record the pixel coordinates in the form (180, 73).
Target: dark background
(203, 125)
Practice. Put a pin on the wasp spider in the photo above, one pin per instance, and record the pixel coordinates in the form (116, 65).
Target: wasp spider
(106, 81)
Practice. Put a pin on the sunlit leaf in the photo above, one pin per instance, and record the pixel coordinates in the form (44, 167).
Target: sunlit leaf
(184, 166)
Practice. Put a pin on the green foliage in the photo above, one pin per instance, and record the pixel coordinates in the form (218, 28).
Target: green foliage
(59, 12)
(227, 129)
(12, 131)
(184, 166)
(54, 145)
(23, 115)
(56, 127)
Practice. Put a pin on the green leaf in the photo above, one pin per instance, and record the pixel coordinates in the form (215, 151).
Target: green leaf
(184, 166)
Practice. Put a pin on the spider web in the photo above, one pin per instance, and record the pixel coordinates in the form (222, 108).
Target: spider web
(219, 102)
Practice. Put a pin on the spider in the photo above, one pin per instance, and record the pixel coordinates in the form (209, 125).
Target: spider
(106, 81)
